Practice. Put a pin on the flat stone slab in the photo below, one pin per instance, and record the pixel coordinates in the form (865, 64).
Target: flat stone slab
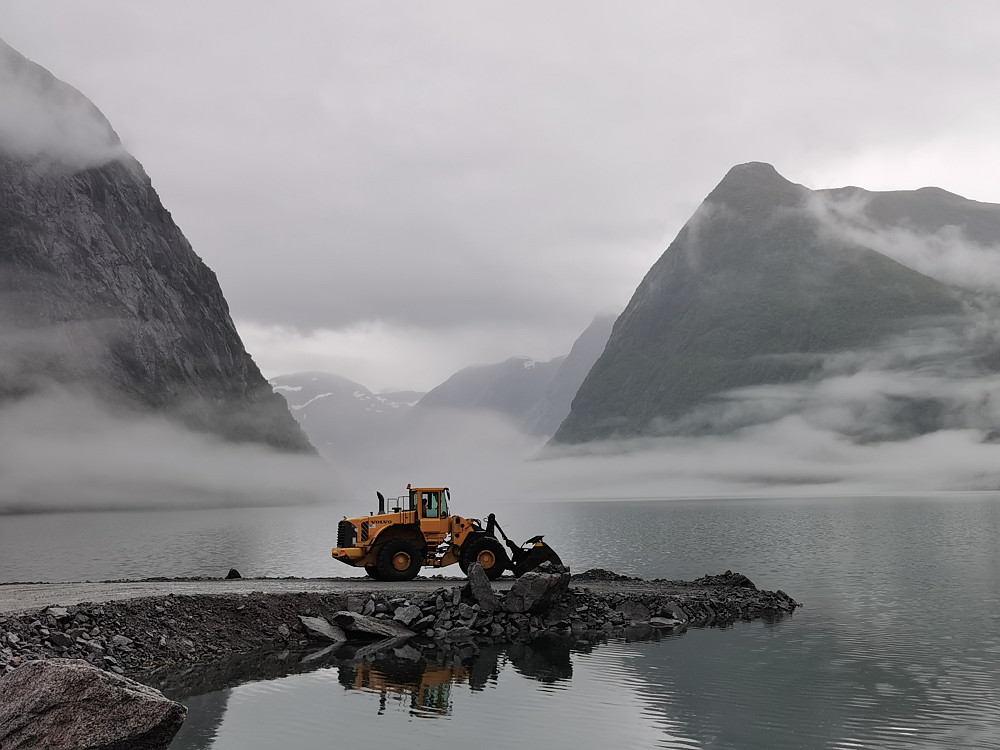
(356, 623)
(318, 627)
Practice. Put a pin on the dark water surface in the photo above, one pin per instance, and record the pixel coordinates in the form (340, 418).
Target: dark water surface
(898, 645)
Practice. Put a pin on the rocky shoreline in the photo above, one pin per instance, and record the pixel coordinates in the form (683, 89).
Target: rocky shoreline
(138, 636)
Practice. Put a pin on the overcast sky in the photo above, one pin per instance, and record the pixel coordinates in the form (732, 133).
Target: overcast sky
(392, 191)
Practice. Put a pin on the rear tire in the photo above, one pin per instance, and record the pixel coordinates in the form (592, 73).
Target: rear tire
(489, 553)
(398, 560)
(372, 571)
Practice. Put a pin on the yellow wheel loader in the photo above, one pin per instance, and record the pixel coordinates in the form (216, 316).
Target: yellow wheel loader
(418, 531)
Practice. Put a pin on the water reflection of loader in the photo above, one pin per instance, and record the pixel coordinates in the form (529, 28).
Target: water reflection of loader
(421, 687)
(422, 682)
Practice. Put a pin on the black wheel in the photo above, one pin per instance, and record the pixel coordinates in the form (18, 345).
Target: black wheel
(489, 553)
(372, 571)
(398, 560)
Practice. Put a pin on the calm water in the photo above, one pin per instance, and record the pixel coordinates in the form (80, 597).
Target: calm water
(898, 645)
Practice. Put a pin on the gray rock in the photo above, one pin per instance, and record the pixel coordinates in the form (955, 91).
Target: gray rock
(675, 611)
(481, 590)
(283, 630)
(465, 612)
(233, 573)
(634, 611)
(59, 613)
(535, 592)
(118, 641)
(354, 622)
(423, 623)
(318, 627)
(456, 596)
(407, 615)
(66, 704)
(369, 608)
(61, 639)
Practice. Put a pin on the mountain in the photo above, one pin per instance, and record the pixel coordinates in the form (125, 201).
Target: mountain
(553, 407)
(99, 289)
(512, 388)
(342, 417)
(764, 283)
(345, 418)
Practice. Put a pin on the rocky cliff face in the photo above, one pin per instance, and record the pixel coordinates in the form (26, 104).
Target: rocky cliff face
(99, 289)
(764, 282)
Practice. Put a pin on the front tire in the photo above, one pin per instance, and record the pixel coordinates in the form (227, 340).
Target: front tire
(398, 560)
(489, 553)
(372, 571)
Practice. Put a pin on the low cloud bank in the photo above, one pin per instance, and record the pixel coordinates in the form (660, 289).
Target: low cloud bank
(947, 254)
(62, 450)
(918, 413)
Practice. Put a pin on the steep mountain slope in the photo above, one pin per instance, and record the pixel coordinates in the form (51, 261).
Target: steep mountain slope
(553, 407)
(755, 289)
(342, 417)
(512, 387)
(99, 289)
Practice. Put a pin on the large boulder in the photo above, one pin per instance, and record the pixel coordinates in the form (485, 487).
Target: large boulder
(481, 590)
(319, 628)
(66, 704)
(358, 624)
(535, 592)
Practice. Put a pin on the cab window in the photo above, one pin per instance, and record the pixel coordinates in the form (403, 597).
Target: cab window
(431, 504)
(445, 496)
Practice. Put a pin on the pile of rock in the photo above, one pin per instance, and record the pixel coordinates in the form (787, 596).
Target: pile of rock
(58, 631)
(458, 613)
(543, 602)
(171, 632)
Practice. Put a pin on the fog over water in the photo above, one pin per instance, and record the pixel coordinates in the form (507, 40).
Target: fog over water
(61, 450)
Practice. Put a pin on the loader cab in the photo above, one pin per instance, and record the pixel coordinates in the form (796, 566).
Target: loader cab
(430, 502)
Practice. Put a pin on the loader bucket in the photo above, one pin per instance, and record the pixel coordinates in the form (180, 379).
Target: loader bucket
(535, 555)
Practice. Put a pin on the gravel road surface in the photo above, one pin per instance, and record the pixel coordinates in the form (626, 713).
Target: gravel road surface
(20, 596)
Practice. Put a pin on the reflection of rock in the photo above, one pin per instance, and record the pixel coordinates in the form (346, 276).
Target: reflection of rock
(546, 659)
(68, 704)
(198, 679)
(204, 717)
(484, 667)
